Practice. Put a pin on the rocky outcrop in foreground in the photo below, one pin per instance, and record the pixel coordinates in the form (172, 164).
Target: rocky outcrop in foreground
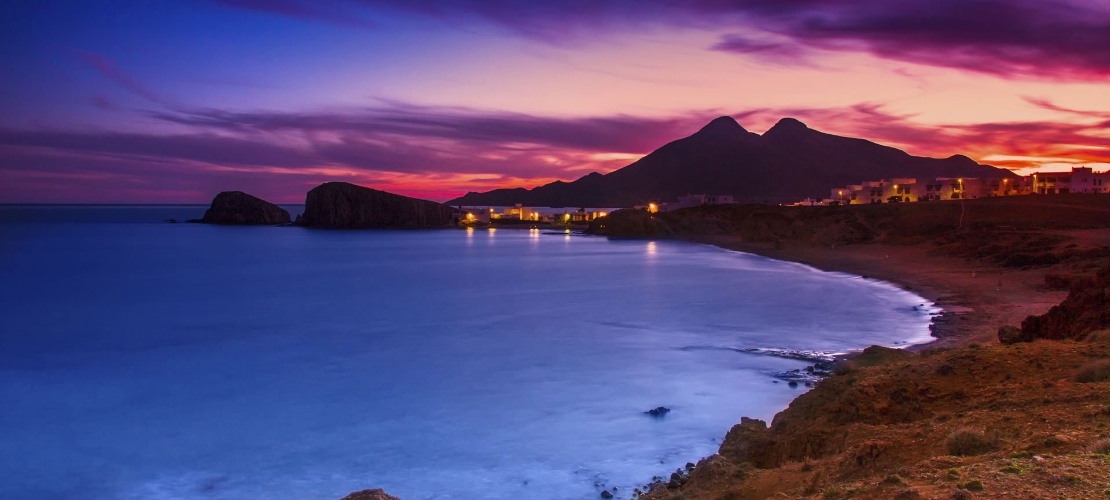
(340, 205)
(1086, 309)
(239, 208)
(990, 421)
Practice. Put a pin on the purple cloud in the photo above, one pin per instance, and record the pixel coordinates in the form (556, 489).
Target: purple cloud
(1055, 39)
(109, 69)
(620, 133)
(441, 153)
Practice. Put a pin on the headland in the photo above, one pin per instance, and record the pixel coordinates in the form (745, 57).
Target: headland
(965, 416)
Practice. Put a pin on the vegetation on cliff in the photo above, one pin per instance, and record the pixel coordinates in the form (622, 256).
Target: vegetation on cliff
(1003, 421)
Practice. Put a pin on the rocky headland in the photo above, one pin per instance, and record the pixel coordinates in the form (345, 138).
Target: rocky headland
(1012, 412)
(239, 208)
(340, 205)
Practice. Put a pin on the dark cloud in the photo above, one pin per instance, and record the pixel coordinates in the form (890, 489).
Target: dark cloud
(1080, 142)
(435, 150)
(1058, 39)
(620, 133)
(204, 148)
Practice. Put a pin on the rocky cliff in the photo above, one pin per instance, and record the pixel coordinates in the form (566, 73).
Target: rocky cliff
(339, 205)
(237, 207)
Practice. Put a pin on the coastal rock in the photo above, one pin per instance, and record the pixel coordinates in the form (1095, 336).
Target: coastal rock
(1012, 335)
(1086, 308)
(878, 355)
(628, 224)
(239, 208)
(339, 205)
(375, 494)
(658, 412)
(750, 441)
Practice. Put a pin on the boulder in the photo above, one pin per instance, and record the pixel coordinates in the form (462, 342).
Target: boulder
(339, 205)
(239, 208)
(375, 494)
(750, 441)
(1086, 308)
(1012, 335)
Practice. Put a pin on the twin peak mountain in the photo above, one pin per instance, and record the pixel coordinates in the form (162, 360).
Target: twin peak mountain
(789, 162)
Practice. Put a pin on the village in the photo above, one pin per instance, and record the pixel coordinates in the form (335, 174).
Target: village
(895, 190)
(905, 190)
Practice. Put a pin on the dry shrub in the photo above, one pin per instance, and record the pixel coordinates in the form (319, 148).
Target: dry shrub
(1097, 371)
(969, 442)
(1100, 447)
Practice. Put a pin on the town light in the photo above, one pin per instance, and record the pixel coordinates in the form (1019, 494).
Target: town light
(653, 207)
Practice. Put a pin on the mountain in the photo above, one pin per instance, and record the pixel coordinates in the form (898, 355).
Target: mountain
(787, 163)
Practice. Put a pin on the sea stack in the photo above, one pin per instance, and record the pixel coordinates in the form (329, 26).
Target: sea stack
(239, 208)
(340, 205)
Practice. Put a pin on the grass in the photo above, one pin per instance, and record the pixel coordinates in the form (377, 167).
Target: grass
(973, 485)
(1100, 447)
(1097, 371)
(968, 442)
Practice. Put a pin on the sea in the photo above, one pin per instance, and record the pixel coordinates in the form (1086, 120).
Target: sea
(145, 359)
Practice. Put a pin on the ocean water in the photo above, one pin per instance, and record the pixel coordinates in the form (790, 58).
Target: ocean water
(145, 360)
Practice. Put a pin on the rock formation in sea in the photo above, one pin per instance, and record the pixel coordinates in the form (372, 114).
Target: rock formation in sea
(340, 205)
(375, 494)
(239, 208)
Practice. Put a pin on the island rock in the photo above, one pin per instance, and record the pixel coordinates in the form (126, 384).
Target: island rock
(375, 494)
(340, 205)
(239, 208)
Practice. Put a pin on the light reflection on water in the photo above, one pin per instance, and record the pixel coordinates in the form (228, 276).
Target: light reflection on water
(190, 361)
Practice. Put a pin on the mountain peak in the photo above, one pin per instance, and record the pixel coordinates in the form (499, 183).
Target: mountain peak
(786, 125)
(722, 127)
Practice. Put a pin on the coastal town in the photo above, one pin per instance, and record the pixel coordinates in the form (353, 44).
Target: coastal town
(905, 190)
(894, 190)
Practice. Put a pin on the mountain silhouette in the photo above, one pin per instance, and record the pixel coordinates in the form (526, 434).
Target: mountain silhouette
(789, 162)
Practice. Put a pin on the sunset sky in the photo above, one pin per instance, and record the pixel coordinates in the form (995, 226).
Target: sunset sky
(167, 101)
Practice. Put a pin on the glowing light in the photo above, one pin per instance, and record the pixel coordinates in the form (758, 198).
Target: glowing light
(652, 207)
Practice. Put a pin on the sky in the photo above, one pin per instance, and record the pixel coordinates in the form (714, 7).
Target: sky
(173, 101)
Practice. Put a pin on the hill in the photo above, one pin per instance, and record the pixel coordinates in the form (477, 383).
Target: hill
(789, 162)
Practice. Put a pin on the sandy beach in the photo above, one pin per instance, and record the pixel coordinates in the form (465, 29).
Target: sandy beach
(977, 297)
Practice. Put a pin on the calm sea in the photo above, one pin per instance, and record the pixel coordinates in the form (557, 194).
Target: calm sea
(147, 360)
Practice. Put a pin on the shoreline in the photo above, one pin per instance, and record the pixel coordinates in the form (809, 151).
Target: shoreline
(975, 298)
